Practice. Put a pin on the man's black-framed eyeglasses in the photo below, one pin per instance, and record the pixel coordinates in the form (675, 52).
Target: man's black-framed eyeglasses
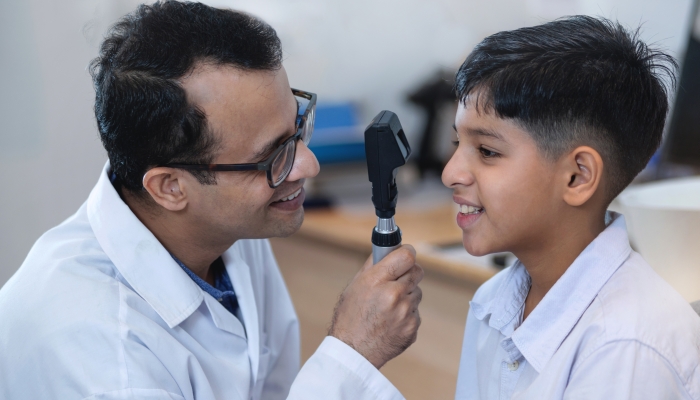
(279, 164)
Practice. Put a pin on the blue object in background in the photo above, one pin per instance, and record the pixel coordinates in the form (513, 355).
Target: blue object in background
(337, 137)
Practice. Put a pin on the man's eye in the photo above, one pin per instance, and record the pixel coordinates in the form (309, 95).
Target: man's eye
(455, 143)
(486, 153)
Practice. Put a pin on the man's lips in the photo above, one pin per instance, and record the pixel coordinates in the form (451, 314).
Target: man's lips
(291, 202)
(290, 196)
(290, 193)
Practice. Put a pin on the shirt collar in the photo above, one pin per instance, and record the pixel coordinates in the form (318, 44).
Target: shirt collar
(139, 257)
(222, 289)
(508, 301)
(544, 330)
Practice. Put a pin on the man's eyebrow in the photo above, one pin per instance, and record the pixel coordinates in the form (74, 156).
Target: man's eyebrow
(270, 146)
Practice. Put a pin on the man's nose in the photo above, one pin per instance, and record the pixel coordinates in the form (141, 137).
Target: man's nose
(305, 164)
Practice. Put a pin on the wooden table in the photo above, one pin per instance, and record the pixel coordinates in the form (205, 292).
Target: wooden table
(427, 229)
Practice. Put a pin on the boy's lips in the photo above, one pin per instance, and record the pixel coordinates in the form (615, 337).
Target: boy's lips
(469, 212)
(466, 220)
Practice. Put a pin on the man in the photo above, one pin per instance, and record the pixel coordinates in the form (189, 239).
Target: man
(162, 285)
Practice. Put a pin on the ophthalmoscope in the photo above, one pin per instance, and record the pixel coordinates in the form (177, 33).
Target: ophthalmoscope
(386, 149)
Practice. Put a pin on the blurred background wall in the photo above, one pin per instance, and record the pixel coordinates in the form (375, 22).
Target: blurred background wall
(372, 53)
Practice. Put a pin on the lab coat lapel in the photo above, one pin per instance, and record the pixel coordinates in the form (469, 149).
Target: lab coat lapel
(139, 256)
(239, 272)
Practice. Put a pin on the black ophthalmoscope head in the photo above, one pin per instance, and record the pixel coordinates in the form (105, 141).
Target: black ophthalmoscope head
(386, 149)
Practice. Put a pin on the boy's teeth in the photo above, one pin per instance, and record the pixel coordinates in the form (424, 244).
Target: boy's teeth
(465, 209)
(292, 196)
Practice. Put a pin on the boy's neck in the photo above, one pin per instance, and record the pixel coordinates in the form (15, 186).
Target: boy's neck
(547, 263)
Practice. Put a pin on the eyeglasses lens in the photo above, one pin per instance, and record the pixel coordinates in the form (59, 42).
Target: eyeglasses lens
(309, 125)
(282, 165)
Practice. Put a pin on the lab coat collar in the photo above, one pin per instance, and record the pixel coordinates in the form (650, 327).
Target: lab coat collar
(139, 257)
(544, 330)
(152, 272)
(239, 272)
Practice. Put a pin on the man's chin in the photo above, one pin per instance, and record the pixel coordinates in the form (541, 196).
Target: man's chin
(289, 226)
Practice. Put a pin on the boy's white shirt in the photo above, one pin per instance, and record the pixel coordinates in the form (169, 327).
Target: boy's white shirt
(100, 310)
(610, 328)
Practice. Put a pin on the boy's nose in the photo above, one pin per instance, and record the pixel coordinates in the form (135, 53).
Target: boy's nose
(305, 164)
(457, 171)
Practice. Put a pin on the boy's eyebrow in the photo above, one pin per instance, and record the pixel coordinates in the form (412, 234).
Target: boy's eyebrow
(485, 132)
(482, 132)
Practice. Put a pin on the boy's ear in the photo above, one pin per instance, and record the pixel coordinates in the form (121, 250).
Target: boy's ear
(167, 187)
(583, 170)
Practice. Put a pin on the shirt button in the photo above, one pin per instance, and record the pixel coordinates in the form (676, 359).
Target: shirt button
(514, 366)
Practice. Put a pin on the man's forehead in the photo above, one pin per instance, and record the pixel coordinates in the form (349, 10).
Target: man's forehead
(208, 83)
(246, 109)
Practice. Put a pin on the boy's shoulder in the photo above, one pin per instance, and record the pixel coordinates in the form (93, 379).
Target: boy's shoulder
(637, 305)
(637, 297)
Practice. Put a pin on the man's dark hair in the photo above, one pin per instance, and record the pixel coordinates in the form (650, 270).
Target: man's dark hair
(142, 112)
(576, 81)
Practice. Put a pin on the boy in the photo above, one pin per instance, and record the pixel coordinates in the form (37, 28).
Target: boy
(554, 121)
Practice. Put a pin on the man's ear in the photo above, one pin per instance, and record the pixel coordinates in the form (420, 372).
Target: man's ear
(166, 187)
(583, 169)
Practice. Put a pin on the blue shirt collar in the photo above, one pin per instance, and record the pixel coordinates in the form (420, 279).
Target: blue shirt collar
(222, 289)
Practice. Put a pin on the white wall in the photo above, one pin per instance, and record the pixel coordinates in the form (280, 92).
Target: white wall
(369, 51)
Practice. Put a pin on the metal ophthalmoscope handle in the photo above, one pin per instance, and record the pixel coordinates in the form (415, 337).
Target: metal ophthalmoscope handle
(386, 237)
(386, 149)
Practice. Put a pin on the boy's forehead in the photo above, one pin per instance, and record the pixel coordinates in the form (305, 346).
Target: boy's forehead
(481, 121)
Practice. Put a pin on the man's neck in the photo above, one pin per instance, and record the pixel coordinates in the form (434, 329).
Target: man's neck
(549, 261)
(185, 240)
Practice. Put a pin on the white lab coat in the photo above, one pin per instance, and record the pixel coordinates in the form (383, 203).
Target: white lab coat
(99, 310)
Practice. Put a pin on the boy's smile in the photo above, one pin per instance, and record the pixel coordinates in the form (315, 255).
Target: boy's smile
(502, 183)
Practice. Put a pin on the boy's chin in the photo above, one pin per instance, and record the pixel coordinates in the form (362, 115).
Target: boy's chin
(475, 248)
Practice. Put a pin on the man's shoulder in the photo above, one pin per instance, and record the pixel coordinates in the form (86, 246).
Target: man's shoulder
(65, 280)
(66, 318)
(67, 252)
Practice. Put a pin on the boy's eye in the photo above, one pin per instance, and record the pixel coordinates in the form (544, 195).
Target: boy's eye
(486, 153)
(455, 143)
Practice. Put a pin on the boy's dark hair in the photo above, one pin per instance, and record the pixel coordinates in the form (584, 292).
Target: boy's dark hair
(576, 81)
(142, 112)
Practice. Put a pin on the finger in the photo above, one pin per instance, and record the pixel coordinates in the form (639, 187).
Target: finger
(396, 263)
(416, 296)
(412, 277)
